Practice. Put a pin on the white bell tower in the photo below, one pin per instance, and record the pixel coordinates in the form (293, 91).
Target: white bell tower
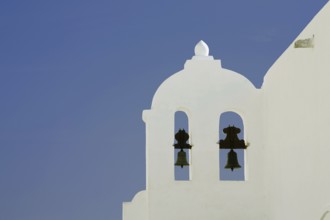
(203, 90)
(286, 128)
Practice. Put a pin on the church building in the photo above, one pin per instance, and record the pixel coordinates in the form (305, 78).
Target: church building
(283, 152)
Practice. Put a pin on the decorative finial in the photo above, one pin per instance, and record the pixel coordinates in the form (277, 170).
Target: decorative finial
(201, 49)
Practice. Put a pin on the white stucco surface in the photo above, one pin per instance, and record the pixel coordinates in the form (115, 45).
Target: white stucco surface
(285, 123)
(297, 106)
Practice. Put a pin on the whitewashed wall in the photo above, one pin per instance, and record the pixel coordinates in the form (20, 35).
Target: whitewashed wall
(287, 123)
(203, 90)
(297, 105)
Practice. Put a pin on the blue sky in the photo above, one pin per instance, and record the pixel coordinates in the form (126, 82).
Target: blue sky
(76, 75)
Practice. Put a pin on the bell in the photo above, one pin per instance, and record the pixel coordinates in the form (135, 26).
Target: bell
(182, 159)
(182, 137)
(232, 162)
(231, 141)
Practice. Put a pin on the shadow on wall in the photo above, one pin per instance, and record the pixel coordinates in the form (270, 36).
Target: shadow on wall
(325, 215)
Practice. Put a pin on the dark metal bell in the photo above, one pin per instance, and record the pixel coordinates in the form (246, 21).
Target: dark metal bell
(182, 137)
(232, 162)
(231, 141)
(182, 159)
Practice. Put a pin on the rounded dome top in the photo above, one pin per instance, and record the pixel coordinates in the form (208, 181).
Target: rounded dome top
(202, 82)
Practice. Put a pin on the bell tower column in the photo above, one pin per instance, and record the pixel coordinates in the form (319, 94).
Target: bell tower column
(159, 147)
(205, 151)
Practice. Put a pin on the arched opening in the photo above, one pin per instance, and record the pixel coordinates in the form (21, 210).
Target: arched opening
(181, 167)
(230, 167)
